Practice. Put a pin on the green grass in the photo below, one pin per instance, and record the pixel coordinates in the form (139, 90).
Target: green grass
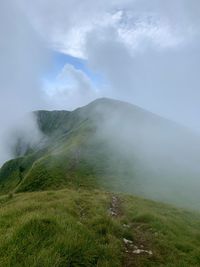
(80, 150)
(74, 228)
(44, 224)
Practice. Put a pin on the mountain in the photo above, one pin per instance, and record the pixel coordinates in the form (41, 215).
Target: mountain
(112, 145)
(67, 200)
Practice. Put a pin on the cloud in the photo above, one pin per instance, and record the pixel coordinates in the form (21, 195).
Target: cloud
(72, 88)
(147, 50)
(67, 24)
(163, 81)
(148, 53)
(22, 56)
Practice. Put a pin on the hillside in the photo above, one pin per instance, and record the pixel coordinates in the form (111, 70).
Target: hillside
(113, 145)
(95, 228)
(68, 200)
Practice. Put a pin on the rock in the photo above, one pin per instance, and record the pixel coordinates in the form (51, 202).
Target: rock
(150, 252)
(127, 242)
(139, 251)
(114, 209)
(126, 226)
(112, 212)
(114, 199)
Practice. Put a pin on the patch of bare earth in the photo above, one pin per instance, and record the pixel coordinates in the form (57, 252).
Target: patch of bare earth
(134, 252)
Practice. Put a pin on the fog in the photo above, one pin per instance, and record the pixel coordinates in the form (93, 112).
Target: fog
(147, 52)
(22, 61)
(144, 52)
(147, 154)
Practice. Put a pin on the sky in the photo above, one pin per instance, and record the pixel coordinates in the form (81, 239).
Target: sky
(64, 54)
(144, 52)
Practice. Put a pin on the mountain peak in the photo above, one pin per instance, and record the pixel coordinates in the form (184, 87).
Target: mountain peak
(109, 101)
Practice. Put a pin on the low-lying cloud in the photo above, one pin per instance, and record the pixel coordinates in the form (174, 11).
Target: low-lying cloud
(146, 51)
(22, 56)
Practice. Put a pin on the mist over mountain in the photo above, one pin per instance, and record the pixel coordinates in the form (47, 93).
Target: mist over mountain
(100, 133)
(109, 144)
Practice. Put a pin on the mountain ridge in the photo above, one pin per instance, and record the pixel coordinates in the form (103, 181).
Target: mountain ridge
(107, 143)
(83, 196)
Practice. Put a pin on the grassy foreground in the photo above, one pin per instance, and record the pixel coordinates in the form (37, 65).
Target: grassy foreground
(90, 228)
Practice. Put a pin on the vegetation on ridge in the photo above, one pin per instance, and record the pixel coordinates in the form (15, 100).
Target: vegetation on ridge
(113, 145)
(78, 228)
(74, 221)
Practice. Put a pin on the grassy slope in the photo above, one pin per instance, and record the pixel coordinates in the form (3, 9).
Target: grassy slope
(74, 157)
(77, 153)
(74, 228)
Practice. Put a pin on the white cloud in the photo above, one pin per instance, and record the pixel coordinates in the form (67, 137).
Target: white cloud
(148, 50)
(22, 60)
(67, 24)
(72, 88)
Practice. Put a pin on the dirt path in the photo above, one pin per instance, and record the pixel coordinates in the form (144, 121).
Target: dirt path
(132, 251)
(115, 207)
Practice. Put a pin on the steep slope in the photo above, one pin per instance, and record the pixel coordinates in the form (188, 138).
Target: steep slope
(114, 145)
